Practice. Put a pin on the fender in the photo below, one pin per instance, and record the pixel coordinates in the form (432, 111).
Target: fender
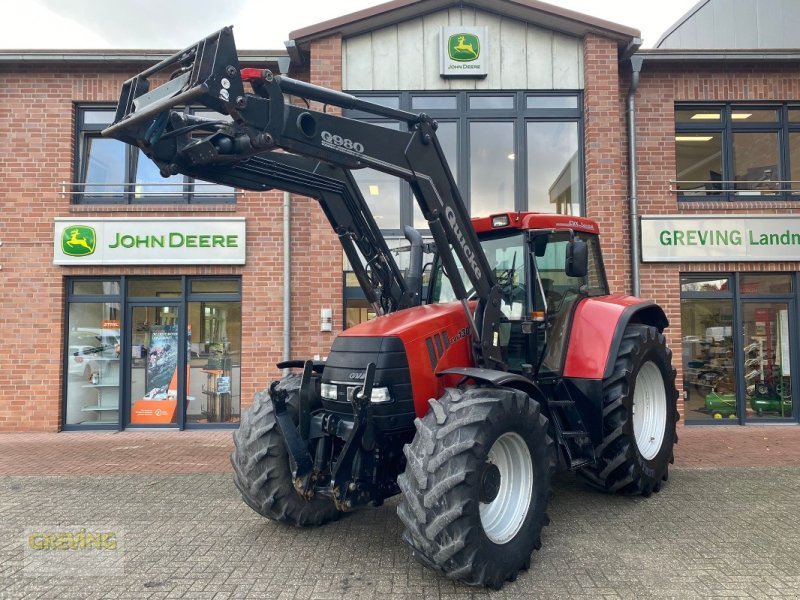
(497, 378)
(597, 329)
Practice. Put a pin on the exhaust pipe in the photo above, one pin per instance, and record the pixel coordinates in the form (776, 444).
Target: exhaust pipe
(414, 274)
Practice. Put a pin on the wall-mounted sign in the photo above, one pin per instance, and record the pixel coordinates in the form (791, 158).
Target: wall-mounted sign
(718, 238)
(167, 241)
(464, 51)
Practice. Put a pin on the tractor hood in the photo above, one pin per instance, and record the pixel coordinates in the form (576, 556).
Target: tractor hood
(435, 337)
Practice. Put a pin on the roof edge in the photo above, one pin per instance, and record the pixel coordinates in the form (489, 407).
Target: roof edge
(689, 14)
(667, 55)
(121, 56)
(395, 11)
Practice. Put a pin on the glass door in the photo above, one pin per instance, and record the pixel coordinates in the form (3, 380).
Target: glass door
(155, 378)
(767, 360)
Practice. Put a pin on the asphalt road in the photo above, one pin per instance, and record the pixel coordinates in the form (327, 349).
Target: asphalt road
(710, 533)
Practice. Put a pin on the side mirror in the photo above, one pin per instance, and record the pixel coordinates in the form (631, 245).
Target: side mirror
(577, 263)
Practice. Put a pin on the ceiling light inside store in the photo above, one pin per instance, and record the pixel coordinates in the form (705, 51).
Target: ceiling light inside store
(705, 117)
(741, 116)
(512, 156)
(374, 190)
(693, 138)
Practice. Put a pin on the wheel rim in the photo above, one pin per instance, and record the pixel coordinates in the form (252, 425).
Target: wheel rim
(649, 410)
(502, 518)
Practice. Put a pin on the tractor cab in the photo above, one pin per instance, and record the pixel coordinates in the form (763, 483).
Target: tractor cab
(544, 268)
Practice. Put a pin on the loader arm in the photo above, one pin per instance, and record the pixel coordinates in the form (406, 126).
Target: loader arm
(336, 191)
(266, 123)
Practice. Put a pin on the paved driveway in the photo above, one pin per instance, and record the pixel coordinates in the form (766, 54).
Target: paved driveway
(710, 533)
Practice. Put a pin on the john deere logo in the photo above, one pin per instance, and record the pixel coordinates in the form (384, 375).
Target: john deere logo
(464, 47)
(78, 240)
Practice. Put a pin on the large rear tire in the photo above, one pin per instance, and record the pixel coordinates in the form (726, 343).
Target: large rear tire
(639, 417)
(477, 483)
(261, 465)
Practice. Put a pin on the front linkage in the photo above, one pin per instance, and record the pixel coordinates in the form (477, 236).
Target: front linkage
(350, 477)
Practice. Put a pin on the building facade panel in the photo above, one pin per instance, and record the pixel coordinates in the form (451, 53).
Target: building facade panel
(405, 56)
(733, 325)
(719, 389)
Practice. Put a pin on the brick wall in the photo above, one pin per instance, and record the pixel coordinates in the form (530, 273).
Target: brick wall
(660, 88)
(37, 117)
(316, 253)
(605, 150)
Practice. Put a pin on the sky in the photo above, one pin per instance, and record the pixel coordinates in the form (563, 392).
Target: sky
(258, 24)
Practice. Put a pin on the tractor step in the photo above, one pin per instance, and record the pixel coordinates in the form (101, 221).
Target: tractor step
(574, 434)
(561, 403)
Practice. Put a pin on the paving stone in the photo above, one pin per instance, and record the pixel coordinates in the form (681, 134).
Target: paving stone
(710, 533)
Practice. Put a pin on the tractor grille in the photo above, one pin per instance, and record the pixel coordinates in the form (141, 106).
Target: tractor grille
(347, 365)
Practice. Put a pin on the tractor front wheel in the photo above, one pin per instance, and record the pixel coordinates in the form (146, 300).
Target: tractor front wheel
(476, 485)
(261, 465)
(639, 416)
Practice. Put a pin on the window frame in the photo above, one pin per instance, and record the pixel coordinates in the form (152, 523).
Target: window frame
(82, 132)
(124, 300)
(727, 127)
(519, 114)
(738, 299)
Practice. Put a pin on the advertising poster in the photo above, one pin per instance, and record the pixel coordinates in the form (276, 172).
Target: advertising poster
(159, 403)
(162, 361)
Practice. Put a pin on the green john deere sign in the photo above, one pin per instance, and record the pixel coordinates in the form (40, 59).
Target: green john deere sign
(150, 241)
(464, 51)
(464, 47)
(78, 240)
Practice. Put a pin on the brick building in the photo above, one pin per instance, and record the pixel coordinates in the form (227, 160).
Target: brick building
(193, 300)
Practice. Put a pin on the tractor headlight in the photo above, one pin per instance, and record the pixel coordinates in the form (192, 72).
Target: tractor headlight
(381, 394)
(329, 391)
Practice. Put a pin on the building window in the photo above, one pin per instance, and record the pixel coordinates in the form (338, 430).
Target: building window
(737, 346)
(110, 171)
(92, 357)
(135, 346)
(507, 151)
(737, 152)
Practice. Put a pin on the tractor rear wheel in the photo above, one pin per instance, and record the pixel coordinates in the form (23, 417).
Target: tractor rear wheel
(261, 465)
(476, 485)
(639, 416)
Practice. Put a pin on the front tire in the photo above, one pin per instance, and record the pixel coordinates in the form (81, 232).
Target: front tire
(639, 417)
(477, 483)
(261, 465)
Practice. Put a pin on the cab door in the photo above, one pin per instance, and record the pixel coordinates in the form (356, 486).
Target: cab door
(555, 294)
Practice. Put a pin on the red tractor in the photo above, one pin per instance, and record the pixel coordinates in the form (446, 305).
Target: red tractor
(463, 399)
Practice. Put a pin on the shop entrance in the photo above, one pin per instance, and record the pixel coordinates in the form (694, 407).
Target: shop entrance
(740, 346)
(156, 387)
(152, 352)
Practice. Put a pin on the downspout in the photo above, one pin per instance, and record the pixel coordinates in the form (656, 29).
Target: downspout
(283, 67)
(287, 278)
(636, 67)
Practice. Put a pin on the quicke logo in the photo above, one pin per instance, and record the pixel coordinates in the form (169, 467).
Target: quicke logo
(78, 240)
(464, 47)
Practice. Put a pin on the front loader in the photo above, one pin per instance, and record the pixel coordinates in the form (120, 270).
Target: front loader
(517, 361)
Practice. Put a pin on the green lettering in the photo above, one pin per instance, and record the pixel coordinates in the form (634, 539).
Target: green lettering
(679, 238)
(218, 241)
(665, 238)
(191, 241)
(175, 240)
(691, 238)
(232, 241)
(205, 241)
